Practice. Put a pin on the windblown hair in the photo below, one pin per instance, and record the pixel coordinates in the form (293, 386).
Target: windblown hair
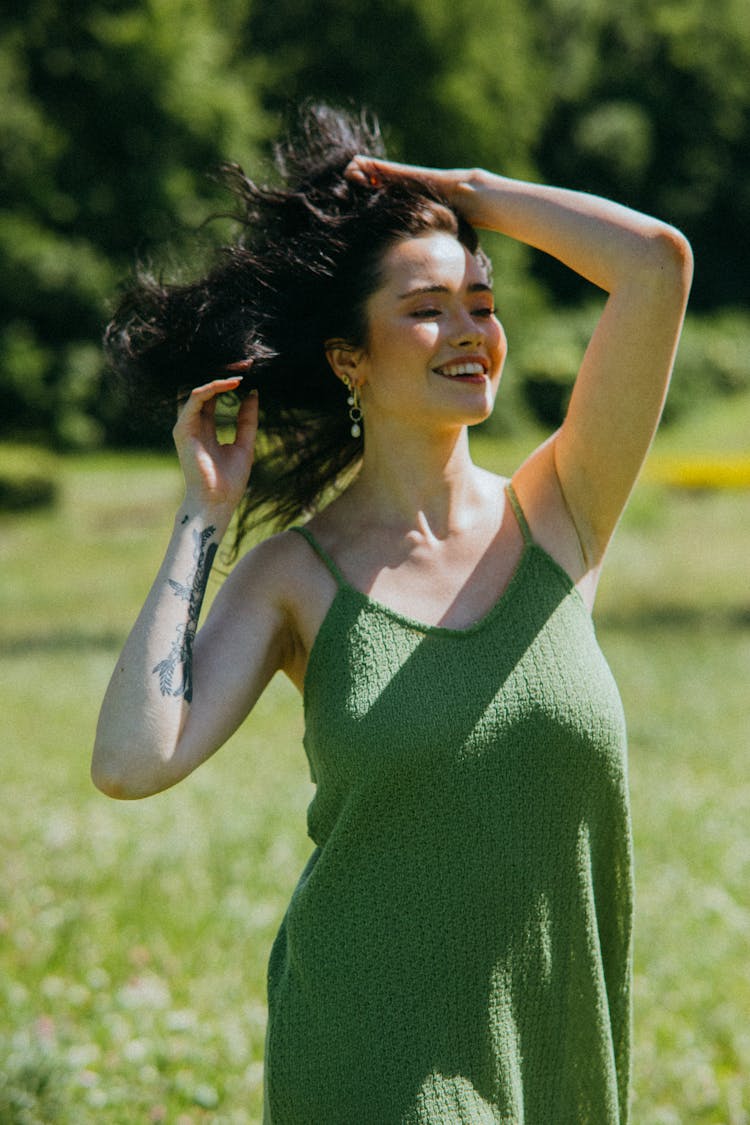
(307, 259)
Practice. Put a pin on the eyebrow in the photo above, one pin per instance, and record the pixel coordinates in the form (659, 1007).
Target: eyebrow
(475, 287)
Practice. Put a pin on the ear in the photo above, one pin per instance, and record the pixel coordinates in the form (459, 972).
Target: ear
(345, 360)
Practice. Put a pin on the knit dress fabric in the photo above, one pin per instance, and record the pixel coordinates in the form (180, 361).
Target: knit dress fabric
(458, 948)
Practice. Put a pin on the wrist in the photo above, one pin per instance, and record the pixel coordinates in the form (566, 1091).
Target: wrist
(198, 514)
(478, 195)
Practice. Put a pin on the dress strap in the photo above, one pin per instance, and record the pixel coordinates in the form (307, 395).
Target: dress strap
(322, 554)
(518, 512)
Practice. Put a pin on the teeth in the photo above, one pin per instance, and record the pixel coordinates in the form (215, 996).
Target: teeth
(462, 369)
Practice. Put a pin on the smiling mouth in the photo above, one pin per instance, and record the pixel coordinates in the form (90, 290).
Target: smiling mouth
(473, 371)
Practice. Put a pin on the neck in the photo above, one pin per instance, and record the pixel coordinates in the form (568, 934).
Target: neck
(419, 480)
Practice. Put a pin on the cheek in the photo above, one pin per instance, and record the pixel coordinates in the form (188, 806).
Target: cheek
(415, 339)
(425, 333)
(498, 340)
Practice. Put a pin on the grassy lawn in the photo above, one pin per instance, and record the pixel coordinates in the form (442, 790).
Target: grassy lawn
(134, 937)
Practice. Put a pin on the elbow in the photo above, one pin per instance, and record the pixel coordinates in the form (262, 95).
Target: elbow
(673, 257)
(109, 781)
(112, 780)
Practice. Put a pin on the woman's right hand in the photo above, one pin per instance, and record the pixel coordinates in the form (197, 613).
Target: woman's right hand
(216, 474)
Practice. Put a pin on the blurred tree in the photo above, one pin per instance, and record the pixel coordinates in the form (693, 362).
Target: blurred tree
(454, 82)
(113, 112)
(654, 110)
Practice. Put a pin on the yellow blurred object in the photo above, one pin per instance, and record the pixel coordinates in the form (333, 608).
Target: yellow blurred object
(708, 472)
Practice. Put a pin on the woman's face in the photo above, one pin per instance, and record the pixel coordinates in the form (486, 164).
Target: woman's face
(435, 349)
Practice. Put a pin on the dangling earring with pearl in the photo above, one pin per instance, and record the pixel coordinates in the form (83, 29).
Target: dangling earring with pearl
(355, 410)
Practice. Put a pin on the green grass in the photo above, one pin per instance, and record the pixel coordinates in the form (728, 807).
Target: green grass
(134, 937)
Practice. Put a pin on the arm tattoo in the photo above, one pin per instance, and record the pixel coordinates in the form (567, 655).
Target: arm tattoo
(176, 670)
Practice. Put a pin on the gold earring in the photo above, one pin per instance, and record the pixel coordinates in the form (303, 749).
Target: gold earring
(355, 410)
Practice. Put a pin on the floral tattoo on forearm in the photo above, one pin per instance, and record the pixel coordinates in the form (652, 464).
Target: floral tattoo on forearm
(175, 672)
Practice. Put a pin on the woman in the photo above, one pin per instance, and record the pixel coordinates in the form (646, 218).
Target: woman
(458, 946)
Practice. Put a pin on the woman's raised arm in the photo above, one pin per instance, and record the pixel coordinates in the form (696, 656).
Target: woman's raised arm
(646, 268)
(172, 702)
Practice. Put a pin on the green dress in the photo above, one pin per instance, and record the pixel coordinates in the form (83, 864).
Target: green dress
(458, 947)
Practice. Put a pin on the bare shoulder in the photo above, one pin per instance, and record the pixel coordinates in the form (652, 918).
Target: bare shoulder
(284, 574)
(282, 568)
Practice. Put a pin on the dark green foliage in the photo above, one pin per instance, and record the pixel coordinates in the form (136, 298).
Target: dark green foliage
(20, 494)
(653, 110)
(113, 114)
(116, 111)
(714, 359)
(454, 83)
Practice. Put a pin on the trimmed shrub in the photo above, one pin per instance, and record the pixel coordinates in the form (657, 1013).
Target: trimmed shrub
(27, 478)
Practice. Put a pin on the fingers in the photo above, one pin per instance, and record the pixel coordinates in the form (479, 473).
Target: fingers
(368, 170)
(373, 172)
(202, 400)
(199, 396)
(363, 170)
(240, 366)
(196, 419)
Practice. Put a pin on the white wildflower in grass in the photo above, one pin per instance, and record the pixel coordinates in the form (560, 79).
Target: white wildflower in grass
(262, 915)
(118, 1029)
(82, 1055)
(137, 1050)
(146, 991)
(235, 1036)
(254, 1075)
(87, 1078)
(205, 1096)
(98, 978)
(97, 1097)
(53, 988)
(16, 994)
(60, 830)
(181, 1020)
(77, 994)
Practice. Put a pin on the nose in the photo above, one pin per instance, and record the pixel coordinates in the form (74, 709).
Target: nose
(465, 332)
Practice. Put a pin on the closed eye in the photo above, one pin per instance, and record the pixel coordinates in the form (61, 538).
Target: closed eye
(427, 313)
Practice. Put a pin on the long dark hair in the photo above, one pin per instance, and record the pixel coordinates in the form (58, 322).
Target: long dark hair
(300, 273)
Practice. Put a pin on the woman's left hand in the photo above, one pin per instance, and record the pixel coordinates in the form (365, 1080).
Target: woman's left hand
(452, 184)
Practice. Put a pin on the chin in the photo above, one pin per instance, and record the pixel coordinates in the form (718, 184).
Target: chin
(480, 413)
(475, 418)
(478, 419)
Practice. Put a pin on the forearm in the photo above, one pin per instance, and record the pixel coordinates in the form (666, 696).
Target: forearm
(150, 692)
(608, 244)
(604, 242)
